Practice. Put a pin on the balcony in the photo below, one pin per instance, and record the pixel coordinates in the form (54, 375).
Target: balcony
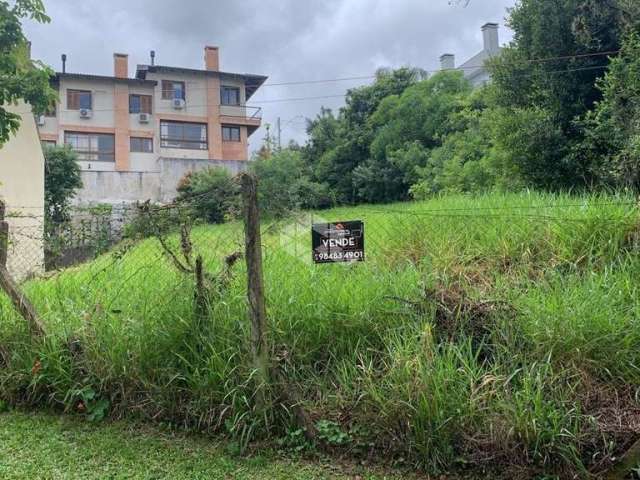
(241, 111)
(251, 117)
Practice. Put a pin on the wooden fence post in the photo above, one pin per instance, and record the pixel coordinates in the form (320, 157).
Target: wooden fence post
(4, 236)
(255, 282)
(19, 300)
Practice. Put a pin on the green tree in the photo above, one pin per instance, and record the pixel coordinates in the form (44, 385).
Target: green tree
(544, 98)
(612, 143)
(468, 159)
(20, 77)
(61, 181)
(343, 142)
(405, 129)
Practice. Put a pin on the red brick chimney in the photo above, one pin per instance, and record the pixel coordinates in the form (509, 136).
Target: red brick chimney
(121, 65)
(212, 58)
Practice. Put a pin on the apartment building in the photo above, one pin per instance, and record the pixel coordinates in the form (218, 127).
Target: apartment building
(136, 137)
(474, 69)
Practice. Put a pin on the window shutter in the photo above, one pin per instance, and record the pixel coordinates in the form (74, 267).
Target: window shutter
(73, 100)
(145, 103)
(166, 90)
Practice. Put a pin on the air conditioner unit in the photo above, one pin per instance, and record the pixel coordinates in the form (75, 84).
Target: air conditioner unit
(144, 118)
(40, 120)
(86, 113)
(178, 103)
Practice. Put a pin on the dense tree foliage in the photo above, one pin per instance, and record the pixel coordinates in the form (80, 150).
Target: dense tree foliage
(339, 145)
(612, 144)
(20, 77)
(561, 112)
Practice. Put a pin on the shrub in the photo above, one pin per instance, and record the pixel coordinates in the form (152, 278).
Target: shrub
(61, 181)
(211, 194)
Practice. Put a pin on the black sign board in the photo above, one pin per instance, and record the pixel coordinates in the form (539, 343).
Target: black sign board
(338, 242)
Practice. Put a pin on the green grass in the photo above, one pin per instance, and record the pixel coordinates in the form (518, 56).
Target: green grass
(488, 331)
(48, 447)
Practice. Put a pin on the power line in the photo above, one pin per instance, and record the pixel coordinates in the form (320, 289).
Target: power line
(462, 67)
(323, 97)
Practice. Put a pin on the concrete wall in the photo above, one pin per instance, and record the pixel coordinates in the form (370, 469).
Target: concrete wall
(22, 190)
(127, 187)
(118, 187)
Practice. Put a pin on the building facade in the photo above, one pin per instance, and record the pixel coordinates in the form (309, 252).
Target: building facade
(136, 137)
(474, 69)
(22, 191)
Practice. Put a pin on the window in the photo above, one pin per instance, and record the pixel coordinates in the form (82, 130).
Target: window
(77, 99)
(172, 89)
(230, 134)
(230, 96)
(139, 103)
(47, 143)
(92, 147)
(141, 144)
(183, 135)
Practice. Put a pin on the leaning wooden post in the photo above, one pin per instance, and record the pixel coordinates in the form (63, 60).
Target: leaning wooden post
(255, 283)
(19, 300)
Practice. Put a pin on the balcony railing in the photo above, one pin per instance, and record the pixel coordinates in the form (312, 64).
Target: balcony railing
(241, 111)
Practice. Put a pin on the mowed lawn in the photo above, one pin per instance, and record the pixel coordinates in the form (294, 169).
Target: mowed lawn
(43, 446)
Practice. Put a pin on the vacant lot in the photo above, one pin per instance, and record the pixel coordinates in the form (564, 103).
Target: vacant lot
(494, 332)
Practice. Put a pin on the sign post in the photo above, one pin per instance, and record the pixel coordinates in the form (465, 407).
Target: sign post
(338, 242)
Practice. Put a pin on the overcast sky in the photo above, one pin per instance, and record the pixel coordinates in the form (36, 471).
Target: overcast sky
(288, 40)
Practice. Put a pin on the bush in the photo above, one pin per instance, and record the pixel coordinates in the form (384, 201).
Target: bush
(211, 194)
(285, 184)
(61, 181)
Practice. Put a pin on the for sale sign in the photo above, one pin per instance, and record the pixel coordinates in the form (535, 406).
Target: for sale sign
(338, 242)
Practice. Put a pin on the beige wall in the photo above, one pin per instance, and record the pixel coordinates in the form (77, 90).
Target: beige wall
(22, 189)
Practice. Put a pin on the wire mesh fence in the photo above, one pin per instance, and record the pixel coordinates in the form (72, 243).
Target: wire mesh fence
(142, 240)
(154, 306)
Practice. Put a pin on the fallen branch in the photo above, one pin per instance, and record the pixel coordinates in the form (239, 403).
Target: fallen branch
(19, 300)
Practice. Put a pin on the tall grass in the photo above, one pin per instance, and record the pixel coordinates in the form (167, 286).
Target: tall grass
(472, 335)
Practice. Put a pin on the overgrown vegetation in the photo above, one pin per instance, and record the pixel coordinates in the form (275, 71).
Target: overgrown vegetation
(494, 333)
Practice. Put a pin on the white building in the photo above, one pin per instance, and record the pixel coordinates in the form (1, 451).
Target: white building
(474, 69)
(22, 191)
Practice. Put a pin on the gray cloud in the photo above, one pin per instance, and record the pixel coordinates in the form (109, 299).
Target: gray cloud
(289, 40)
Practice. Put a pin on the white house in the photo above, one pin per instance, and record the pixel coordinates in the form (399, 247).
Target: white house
(474, 69)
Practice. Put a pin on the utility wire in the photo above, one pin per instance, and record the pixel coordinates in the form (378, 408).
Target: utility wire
(342, 95)
(462, 67)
